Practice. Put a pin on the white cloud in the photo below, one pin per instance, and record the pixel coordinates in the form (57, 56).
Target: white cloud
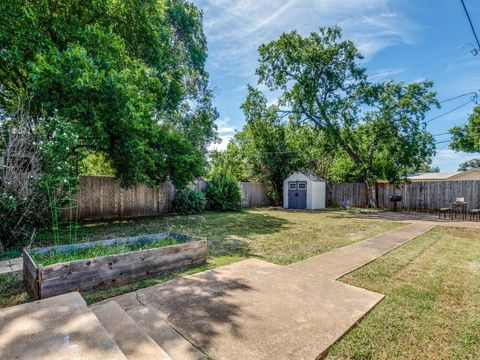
(222, 145)
(448, 160)
(223, 126)
(235, 29)
(385, 74)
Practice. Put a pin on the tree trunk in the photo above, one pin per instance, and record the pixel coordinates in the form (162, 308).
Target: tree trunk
(371, 194)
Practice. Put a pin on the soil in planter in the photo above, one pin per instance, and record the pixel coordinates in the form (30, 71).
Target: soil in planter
(56, 257)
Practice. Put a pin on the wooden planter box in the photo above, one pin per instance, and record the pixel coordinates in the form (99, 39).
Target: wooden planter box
(112, 270)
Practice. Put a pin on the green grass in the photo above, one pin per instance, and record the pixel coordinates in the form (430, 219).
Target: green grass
(432, 304)
(12, 290)
(278, 236)
(57, 257)
(282, 237)
(10, 254)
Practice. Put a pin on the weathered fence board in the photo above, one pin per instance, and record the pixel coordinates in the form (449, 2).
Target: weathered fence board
(103, 198)
(254, 195)
(417, 196)
(354, 193)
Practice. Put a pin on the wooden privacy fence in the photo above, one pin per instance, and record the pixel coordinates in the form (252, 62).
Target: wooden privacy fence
(254, 195)
(354, 193)
(417, 196)
(102, 197)
(430, 196)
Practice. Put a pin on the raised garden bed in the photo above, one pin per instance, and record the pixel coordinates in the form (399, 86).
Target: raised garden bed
(73, 268)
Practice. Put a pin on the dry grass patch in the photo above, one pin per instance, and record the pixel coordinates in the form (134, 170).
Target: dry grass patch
(432, 304)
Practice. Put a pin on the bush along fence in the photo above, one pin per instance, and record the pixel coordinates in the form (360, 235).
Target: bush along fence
(102, 197)
(416, 196)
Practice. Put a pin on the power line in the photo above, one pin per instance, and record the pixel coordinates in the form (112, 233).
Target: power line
(449, 112)
(445, 133)
(458, 96)
(471, 24)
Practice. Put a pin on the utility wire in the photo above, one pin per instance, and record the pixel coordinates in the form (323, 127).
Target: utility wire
(448, 112)
(443, 142)
(458, 96)
(445, 133)
(471, 24)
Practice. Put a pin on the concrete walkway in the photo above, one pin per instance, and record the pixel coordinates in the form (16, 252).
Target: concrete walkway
(12, 265)
(336, 263)
(254, 310)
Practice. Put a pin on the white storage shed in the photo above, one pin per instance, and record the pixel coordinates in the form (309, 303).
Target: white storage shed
(302, 190)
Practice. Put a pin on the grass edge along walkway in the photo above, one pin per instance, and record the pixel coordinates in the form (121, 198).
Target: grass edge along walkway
(339, 262)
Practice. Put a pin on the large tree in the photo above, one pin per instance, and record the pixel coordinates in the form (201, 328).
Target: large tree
(467, 138)
(378, 129)
(121, 78)
(269, 149)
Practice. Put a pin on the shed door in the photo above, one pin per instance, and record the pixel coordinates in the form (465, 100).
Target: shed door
(297, 194)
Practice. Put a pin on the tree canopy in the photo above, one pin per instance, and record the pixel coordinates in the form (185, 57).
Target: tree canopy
(268, 149)
(467, 138)
(376, 129)
(121, 78)
(469, 165)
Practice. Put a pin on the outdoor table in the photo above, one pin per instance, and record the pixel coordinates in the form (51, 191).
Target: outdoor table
(462, 206)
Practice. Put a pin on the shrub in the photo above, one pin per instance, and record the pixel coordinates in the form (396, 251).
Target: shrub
(224, 193)
(18, 218)
(190, 201)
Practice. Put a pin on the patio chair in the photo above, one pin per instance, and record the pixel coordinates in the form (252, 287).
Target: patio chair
(475, 214)
(444, 211)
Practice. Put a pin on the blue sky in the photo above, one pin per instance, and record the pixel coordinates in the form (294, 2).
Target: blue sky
(407, 40)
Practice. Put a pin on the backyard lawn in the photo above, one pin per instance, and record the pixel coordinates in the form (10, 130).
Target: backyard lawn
(432, 304)
(432, 287)
(274, 235)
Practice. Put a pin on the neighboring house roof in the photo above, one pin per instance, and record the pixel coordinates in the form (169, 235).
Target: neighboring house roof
(472, 174)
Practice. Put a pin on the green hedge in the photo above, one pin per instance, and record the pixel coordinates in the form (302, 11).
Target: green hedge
(190, 201)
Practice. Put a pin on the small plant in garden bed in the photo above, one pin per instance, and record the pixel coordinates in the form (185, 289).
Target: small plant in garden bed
(57, 257)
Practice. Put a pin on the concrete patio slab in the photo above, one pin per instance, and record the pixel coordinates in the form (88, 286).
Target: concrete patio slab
(339, 262)
(61, 327)
(5, 267)
(12, 265)
(257, 310)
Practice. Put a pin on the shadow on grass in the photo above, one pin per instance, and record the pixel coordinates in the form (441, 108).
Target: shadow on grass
(227, 234)
(209, 224)
(12, 289)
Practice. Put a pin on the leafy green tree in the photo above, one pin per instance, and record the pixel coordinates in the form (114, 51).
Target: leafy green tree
(467, 138)
(469, 165)
(125, 79)
(269, 149)
(96, 164)
(378, 127)
(232, 161)
(428, 168)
